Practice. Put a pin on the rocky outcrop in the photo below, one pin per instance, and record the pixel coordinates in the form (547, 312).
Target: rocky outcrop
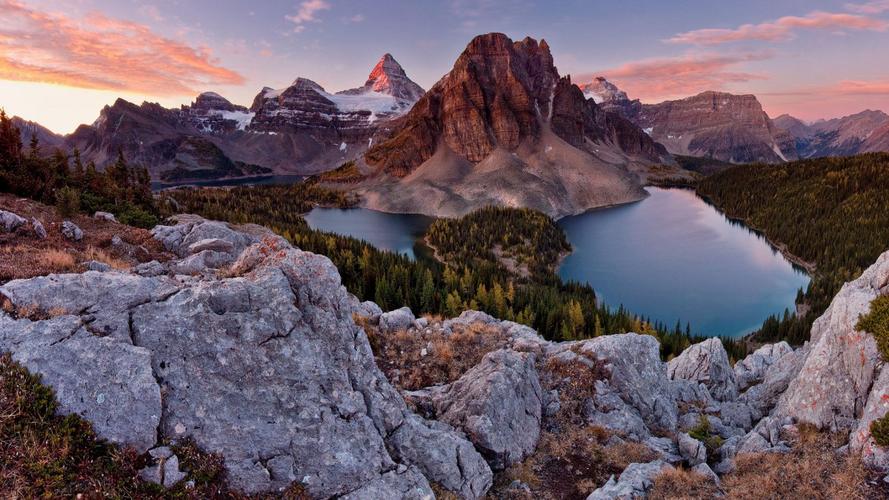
(498, 404)
(503, 127)
(637, 396)
(262, 364)
(706, 363)
(751, 370)
(833, 386)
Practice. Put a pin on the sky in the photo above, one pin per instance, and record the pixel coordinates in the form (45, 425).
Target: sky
(61, 61)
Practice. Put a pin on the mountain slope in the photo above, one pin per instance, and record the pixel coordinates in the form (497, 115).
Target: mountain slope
(502, 127)
(46, 137)
(846, 136)
(300, 129)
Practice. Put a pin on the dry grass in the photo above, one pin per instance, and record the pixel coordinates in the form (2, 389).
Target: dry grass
(400, 354)
(682, 484)
(23, 255)
(99, 255)
(571, 464)
(812, 470)
(45, 455)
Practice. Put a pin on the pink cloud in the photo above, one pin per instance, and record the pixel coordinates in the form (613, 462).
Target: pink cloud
(781, 29)
(859, 87)
(660, 78)
(102, 53)
(307, 12)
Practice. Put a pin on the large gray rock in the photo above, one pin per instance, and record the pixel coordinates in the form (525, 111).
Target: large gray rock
(833, 386)
(265, 368)
(691, 450)
(71, 231)
(877, 407)
(10, 221)
(497, 403)
(405, 483)
(107, 382)
(399, 319)
(752, 369)
(707, 363)
(763, 396)
(634, 482)
(636, 375)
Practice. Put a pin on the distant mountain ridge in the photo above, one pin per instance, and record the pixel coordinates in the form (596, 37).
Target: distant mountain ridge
(864, 132)
(718, 125)
(301, 129)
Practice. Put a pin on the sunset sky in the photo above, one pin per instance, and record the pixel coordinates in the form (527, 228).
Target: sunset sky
(61, 61)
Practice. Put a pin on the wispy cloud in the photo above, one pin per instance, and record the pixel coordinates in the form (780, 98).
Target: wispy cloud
(357, 18)
(782, 29)
(680, 76)
(875, 7)
(307, 12)
(861, 87)
(98, 52)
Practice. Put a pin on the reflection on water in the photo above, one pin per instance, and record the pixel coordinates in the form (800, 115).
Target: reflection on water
(395, 232)
(672, 256)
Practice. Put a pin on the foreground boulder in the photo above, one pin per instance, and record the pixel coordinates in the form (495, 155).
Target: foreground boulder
(71, 231)
(706, 363)
(261, 364)
(498, 403)
(834, 383)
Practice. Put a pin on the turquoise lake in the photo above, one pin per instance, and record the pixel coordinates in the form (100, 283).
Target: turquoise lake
(668, 257)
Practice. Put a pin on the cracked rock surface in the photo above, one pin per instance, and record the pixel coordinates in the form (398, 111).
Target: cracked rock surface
(260, 362)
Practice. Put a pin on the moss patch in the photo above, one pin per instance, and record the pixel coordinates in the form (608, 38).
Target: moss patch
(876, 322)
(879, 429)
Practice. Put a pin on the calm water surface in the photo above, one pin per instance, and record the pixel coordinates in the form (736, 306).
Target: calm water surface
(669, 257)
(394, 232)
(672, 256)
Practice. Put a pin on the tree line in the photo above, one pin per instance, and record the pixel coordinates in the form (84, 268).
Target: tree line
(833, 212)
(64, 180)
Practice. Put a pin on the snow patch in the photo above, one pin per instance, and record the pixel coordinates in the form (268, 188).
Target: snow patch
(648, 130)
(595, 96)
(242, 118)
(343, 146)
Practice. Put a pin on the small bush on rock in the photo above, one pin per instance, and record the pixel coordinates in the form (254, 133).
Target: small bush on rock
(876, 322)
(879, 429)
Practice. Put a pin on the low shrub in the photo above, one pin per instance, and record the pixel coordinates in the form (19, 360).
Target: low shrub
(876, 322)
(879, 429)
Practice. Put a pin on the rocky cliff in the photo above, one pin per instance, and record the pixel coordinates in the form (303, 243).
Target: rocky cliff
(250, 348)
(718, 125)
(503, 127)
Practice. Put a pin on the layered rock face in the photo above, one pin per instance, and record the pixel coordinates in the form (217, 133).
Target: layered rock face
(298, 129)
(500, 119)
(867, 131)
(264, 366)
(718, 125)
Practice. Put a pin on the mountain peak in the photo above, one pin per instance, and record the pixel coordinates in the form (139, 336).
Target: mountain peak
(388, 77)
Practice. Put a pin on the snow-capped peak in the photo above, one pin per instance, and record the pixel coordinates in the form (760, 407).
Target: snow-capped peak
(601, 90)
(388, 77)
